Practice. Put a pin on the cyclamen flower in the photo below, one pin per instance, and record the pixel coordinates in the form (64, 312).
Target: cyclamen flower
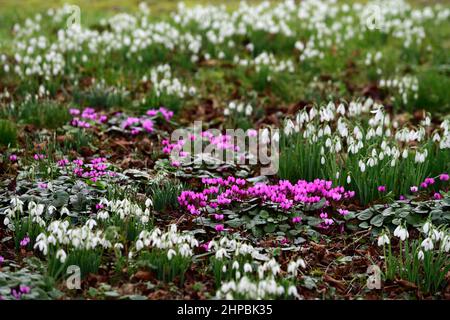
(343, 212)
(38, 156)
(25, 241)
(42, 185)
(381, 188)
(444, 177)
(148, 125)
(429, 181)
(437, 196)
(2, 259)
(13, 158)
(219, 228)
(414, 189)
(218, 216)
(296, 219)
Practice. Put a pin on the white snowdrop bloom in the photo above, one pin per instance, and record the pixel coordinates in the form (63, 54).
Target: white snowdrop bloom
(401, 233)
(349, 179)
(235, 265)
(362, 166)
(426, 227)
(248, 268)
(91, 223)
(437, 235)
(382, 240)
(288, 128)
(148, 202)
(427, 244)
(446, 243)
(65, 211)
(248, 110)
(61, 255)
(171, 253)
(221, 253)
(224, 268)
(420, 255)
(139, 245)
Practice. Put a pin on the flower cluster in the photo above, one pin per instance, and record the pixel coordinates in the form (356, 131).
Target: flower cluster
(96, 169)
(283, 196)
(86, 118)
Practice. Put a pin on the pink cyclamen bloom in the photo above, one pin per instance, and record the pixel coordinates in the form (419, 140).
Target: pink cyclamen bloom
(175, 163)
(148, 125)
(38, 156)
(1, 260)
(219, 228)
(444, 177)
(437, 196)
(74, 112)
(205, 246)
(343, 212)
(25, 241)
(13, 158)
(42, 185)
(24, 289)
(296, 219)
(424, 185)
(218, 216)
(402, 197)
(99, 206)
(252, 133)
(381, 188)
(414, 189)
(429, 181)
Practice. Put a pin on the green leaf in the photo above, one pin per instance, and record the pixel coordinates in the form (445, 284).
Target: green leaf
(377, 221)
(365, 214)
(270, 228)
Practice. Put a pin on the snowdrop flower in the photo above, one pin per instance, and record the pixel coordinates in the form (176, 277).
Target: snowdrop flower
(401, 232)
(427, 244)
(139, 245)
(382, 240)
(171, 253)
(426, 227)
(248, 267)
(420, 255)
(61, 255)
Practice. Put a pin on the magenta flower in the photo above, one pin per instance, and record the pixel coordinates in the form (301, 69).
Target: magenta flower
(414, 189)
(429, 181)
(13, 158)
(2, 259)
(25, 241)
(219, 228)
(437, 196)
(444, 177)
(381, 188)
(24, 289)
(148, 125)
(218, 216)
(74, 112)
(296, 219)
(402, 197)
(42, 185)
(38, 156)
(343, 212)
(206, 246)
(424, 185)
